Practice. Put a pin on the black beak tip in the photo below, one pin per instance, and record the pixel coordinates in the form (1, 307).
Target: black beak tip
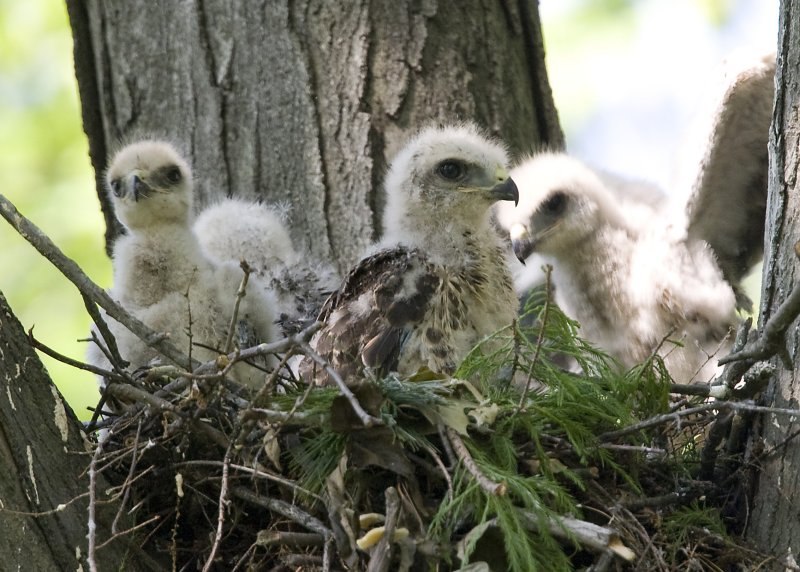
(506, 191)
(514, 191)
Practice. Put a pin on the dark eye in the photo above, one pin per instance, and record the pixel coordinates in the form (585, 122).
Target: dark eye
(115, 187)
(451, 170)
(174, 175)
(554, 205)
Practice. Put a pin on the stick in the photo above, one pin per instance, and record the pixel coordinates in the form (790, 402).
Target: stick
(86, 287)
(223, 502)
(72, 362)
(92, 523)
(491, 487)
(240, 293)
(598, 538)
(126, 392)
(256, 473)
(381, 556)
(284, 509)
(367, 419)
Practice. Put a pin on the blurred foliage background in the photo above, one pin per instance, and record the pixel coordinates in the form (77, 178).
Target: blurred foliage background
(625, 74)
(45, 171)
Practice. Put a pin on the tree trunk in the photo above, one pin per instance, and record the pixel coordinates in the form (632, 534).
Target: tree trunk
(305, 101)
(43, 455)
(302, 102)
(773, 523)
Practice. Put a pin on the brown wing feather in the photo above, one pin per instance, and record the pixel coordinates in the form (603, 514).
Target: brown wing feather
(368, 319)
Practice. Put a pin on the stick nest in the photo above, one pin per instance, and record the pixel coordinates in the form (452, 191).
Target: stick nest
(512, 464)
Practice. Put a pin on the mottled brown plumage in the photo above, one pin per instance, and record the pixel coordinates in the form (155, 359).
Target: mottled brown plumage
(439, 284)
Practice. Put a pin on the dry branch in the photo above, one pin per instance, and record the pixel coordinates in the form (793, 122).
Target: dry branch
(86, 287)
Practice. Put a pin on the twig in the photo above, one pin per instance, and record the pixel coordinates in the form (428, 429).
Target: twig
(131, 472)
(111, 342)
(212, 366)
(327, 554)
(680, 497)
(540, 339)
(366, 419)
(633, 448)
(285, 417)
(381, 555)
(223, 503)
(448, 448)
(657, 420)
(190, 320)
(240, 293)
(84, 284)
(269, 385)
(698, 389)
(134, 528)
(91, 533)
(717, 405)
(256, 473)
(718, 431)
(117, 367)
(72, 362)
(283, 538)
(173, 548)
(770, 339)
(488, 485)
(285, 509)
(125, 392)
(439, 463)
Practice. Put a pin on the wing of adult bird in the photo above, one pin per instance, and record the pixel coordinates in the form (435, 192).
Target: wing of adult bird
(727, 185)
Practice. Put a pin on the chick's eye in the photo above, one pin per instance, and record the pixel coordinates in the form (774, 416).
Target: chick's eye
(451, 170)
(174, 175)
(555, 205)
(115, 187)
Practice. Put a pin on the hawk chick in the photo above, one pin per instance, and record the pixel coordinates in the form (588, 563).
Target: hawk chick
(437, 283)
(160, 273)
(236, 230)
(633, 273)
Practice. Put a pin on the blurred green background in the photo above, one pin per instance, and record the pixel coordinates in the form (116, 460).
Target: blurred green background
(45, 171)
(615, 66)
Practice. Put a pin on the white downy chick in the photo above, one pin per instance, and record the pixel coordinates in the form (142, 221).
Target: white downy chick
(160, 274)
(239, 230)
(633, 276)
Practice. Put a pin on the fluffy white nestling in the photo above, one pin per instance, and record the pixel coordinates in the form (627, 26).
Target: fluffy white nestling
(160, 274)
(633, 274)
(437, 284)
(240, 230)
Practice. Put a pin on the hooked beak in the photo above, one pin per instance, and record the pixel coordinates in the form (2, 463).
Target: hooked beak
(521, 241)
(137, 188)
(506, 191)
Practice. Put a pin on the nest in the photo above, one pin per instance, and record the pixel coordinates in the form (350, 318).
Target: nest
(512, 464)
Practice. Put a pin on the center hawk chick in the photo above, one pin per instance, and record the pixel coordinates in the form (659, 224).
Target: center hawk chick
(437, 283)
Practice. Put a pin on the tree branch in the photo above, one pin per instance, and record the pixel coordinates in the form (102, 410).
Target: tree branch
(86, 287)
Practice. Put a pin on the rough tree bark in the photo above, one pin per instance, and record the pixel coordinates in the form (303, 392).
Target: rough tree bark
(773, 523)
(304, 101)
(44, 456)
